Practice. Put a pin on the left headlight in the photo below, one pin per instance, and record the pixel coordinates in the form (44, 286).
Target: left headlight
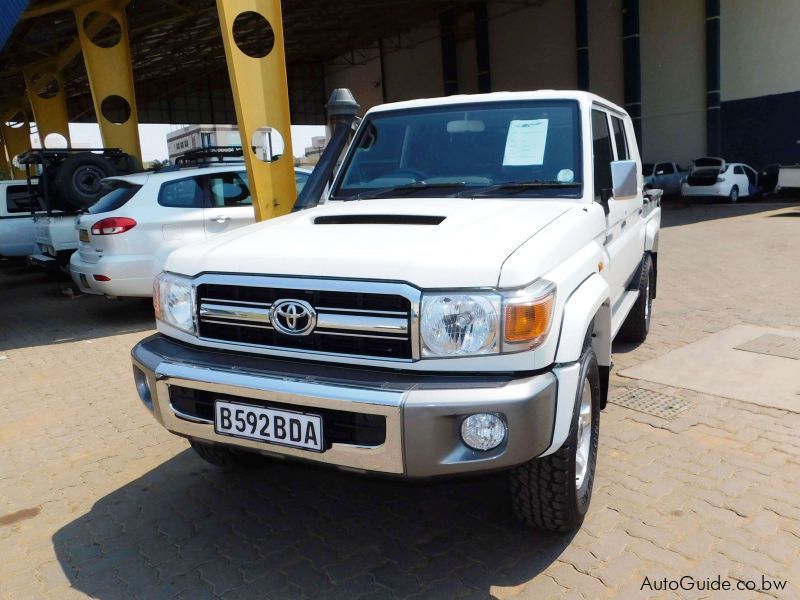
(460, 324)
(173, 301)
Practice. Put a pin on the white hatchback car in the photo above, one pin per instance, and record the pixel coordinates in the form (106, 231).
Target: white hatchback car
(713, 177)
(128, 234)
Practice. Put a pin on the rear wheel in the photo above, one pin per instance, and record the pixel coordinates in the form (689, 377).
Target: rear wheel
(553, 492)
(222, 457)
(733, 196)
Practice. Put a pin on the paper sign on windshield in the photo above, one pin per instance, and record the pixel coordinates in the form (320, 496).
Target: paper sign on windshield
(525, 143)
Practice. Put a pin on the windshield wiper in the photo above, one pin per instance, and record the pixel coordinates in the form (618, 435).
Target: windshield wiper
(408, 188)
(516, 187)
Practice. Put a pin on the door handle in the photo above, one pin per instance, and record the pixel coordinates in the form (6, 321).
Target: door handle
(221, 218)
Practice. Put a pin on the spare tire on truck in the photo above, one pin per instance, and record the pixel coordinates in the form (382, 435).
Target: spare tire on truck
(78, 179)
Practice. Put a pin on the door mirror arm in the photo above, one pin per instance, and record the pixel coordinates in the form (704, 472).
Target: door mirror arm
(605, 196)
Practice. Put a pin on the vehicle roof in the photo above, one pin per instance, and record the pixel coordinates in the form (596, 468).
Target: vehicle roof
(141, 178)
(580, 96)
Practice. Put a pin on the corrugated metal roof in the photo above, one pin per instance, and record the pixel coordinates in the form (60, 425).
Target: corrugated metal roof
(10, 11)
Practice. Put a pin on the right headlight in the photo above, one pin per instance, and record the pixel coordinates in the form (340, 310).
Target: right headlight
(173, 301)
(460, 324)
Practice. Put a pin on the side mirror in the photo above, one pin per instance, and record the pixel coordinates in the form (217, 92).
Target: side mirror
(624, 181)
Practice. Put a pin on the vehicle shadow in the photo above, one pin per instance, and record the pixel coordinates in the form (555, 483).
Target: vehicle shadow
(676, 213)
(291, 530)
(39, 313)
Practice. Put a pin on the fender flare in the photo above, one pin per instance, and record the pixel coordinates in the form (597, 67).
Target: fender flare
(590, 302)
(651, 236)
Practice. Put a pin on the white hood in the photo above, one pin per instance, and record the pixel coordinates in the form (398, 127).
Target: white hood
(466, 249)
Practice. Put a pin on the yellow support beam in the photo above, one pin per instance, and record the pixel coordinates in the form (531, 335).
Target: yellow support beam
(107, 55)
(48, 102)
(16, 140)
(261, 96)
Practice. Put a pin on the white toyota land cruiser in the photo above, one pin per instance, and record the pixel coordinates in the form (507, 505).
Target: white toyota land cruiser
(449, 308)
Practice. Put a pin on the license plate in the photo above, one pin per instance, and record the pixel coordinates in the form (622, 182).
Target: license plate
(271, 425)
(83, 235)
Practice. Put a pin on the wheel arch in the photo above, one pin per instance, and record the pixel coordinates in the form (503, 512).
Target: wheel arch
(587, 311)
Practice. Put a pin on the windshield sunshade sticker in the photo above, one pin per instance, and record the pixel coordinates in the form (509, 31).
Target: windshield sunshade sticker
(525, 143)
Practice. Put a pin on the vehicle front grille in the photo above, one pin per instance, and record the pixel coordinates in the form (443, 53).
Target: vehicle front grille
(348, 322)
(339, 426)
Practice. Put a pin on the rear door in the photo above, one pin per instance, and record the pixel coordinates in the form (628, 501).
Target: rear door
(229, 204)
(180, 211)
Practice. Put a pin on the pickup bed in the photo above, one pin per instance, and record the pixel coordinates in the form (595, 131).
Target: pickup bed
(447, 309)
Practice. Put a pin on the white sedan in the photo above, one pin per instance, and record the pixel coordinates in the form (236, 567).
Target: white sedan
(713, 177)
(128, 234)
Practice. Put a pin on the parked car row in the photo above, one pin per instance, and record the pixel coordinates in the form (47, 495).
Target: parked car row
(710, 177)
(119, 244)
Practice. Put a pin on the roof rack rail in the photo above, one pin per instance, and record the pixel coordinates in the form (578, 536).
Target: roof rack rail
(210, 154)
(36, 156)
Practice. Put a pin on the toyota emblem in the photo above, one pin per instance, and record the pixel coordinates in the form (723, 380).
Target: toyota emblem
(293, 317)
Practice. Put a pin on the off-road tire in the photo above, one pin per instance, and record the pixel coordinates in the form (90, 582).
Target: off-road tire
(543, 491)
(637, 323)
(222, 457)
(78, 179)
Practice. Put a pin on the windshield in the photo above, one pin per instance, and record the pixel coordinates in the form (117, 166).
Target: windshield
(117, 193)
(528, 148)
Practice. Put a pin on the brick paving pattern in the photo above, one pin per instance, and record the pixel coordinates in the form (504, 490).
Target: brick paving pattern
(97, 500)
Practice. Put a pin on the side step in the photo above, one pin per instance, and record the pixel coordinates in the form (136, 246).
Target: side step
(623, 308)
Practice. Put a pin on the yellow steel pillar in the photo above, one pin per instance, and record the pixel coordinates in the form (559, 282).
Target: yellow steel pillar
(103, 33)
(16, 140)
(48, 101)
(252, 31)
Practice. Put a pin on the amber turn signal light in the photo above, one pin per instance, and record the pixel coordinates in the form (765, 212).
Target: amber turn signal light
(529, 321)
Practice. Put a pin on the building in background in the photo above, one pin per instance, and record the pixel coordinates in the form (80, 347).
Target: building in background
(191, 137)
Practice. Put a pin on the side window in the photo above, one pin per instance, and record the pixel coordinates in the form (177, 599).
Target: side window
(667, 168)
(737, 170)
(18, 200)
(228, 189)
(619, 138)
(183, 193)
(603, 156)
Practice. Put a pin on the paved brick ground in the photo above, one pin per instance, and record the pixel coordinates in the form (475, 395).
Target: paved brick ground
(97, 500)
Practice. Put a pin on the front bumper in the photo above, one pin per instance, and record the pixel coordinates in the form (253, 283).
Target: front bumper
(422, 412)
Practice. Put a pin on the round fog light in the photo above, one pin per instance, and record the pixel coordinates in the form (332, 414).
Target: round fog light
(483, 431)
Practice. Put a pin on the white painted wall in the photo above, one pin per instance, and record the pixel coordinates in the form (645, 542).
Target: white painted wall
(760, 47)
(533, 48)
(672, 38)
(605, 50)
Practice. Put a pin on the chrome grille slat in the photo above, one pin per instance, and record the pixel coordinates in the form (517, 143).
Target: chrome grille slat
(369, 319)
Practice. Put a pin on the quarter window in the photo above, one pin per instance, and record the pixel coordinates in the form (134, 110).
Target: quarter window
(666, 168)
(738, 170)
(619, 138)
(183, 193)
(603, 155)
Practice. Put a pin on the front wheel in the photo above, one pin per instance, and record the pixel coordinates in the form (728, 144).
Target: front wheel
(553, 492)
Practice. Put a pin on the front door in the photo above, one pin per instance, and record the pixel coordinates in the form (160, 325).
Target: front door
(229, 203)
(622, 222)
